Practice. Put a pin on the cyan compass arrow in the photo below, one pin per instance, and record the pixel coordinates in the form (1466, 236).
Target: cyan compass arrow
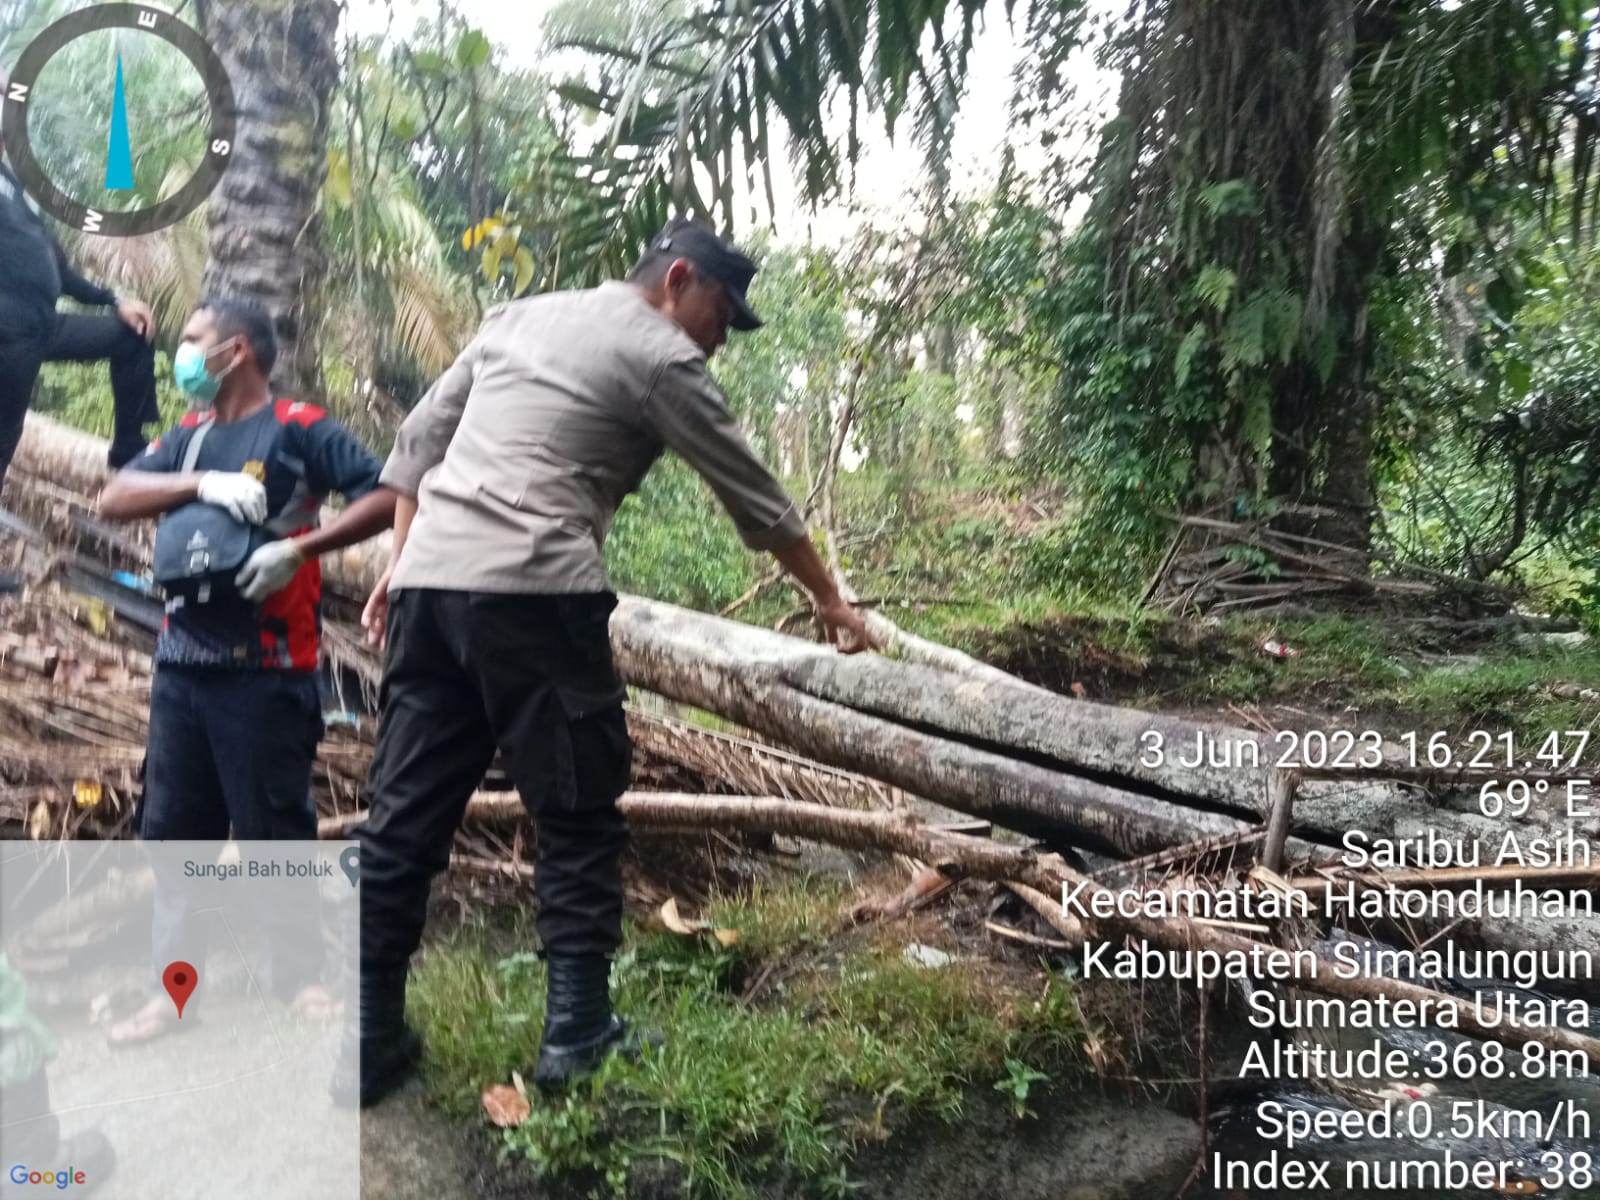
(119, 154)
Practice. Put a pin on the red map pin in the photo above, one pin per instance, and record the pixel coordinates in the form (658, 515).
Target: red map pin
(180, 979)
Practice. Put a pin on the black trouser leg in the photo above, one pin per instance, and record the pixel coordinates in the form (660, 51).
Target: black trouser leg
(467, 672)
(264, 727)
(79, 338)
(20, 356)
(181, 801)
(434, 745)
(33, 1133)
(232, 748)
(544, 668)
(433, 748)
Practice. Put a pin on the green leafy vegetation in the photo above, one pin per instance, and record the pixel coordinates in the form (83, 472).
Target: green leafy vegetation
(849, 1041)
(80, 395)
(1304, 284)
(672, 542)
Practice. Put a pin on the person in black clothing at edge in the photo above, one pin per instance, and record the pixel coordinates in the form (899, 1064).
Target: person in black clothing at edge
(235, 706)
(34, 274)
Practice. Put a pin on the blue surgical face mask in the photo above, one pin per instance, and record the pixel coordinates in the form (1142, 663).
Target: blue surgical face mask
(189, 369)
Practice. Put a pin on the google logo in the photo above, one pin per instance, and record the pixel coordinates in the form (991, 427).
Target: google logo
(61, 1180)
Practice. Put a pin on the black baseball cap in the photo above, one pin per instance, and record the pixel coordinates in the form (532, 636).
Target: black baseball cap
(716, 259)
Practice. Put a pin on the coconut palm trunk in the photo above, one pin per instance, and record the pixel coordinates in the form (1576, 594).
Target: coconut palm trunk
(264, 216)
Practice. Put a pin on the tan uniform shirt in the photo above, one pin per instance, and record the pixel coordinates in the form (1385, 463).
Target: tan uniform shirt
(521, 452)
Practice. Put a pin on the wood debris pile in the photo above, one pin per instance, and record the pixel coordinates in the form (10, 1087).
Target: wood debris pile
(74, 712)
(1220, 562)
(75, 671)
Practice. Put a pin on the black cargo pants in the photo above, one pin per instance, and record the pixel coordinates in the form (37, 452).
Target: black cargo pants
(74, 337)
(468, 673)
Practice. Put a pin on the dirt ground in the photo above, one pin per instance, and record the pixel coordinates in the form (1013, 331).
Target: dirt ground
(410, 1152)
(1077, 1148)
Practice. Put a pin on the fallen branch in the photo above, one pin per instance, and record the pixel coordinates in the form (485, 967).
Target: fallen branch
(1033, 876)
(756, 768)
(1050, 911)
(643, 808)
(1281, 788)
(926, 886)
(494, 868)
(771, 577)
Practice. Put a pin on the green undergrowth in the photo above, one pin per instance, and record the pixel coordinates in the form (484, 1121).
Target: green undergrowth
(1399, 673)
(843, 1040)
(968, 553)
(79, 394)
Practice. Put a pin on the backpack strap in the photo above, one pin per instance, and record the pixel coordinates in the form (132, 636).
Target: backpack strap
(191, 452)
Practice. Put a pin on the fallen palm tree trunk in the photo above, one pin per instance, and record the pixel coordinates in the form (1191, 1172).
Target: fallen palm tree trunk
(1049, 765)
(754, 768)
(880, 718)
(746, 675)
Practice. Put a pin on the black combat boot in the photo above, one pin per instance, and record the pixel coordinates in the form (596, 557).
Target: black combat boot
(120, 456)
(580, 1029)
(379, 1050)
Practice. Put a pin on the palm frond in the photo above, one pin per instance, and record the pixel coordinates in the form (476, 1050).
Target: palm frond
(1494, 87)
(428, 320)
(704, 86)
(402, 228)
(163, 268)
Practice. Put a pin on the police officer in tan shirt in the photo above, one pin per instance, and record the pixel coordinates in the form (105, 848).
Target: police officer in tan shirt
(495, 608)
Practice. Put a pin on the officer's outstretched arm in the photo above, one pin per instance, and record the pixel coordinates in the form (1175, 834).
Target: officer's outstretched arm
(846, 629)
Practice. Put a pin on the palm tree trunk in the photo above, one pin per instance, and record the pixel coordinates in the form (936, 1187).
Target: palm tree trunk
(280, 55)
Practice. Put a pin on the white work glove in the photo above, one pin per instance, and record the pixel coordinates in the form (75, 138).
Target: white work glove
(242, 495)
(268, 570)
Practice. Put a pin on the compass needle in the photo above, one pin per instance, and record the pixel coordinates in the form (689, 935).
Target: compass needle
(119, 155)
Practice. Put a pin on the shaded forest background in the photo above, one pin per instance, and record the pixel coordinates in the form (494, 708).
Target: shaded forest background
(1327, 269)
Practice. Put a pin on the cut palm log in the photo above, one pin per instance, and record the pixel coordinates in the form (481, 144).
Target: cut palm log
(760, 679)
(868, 714)
(67, 457)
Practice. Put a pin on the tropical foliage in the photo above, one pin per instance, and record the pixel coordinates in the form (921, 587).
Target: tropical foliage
(1329, 260)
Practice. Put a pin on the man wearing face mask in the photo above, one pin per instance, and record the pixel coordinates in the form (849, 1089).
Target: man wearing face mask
(34, 274)
(235, 713)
